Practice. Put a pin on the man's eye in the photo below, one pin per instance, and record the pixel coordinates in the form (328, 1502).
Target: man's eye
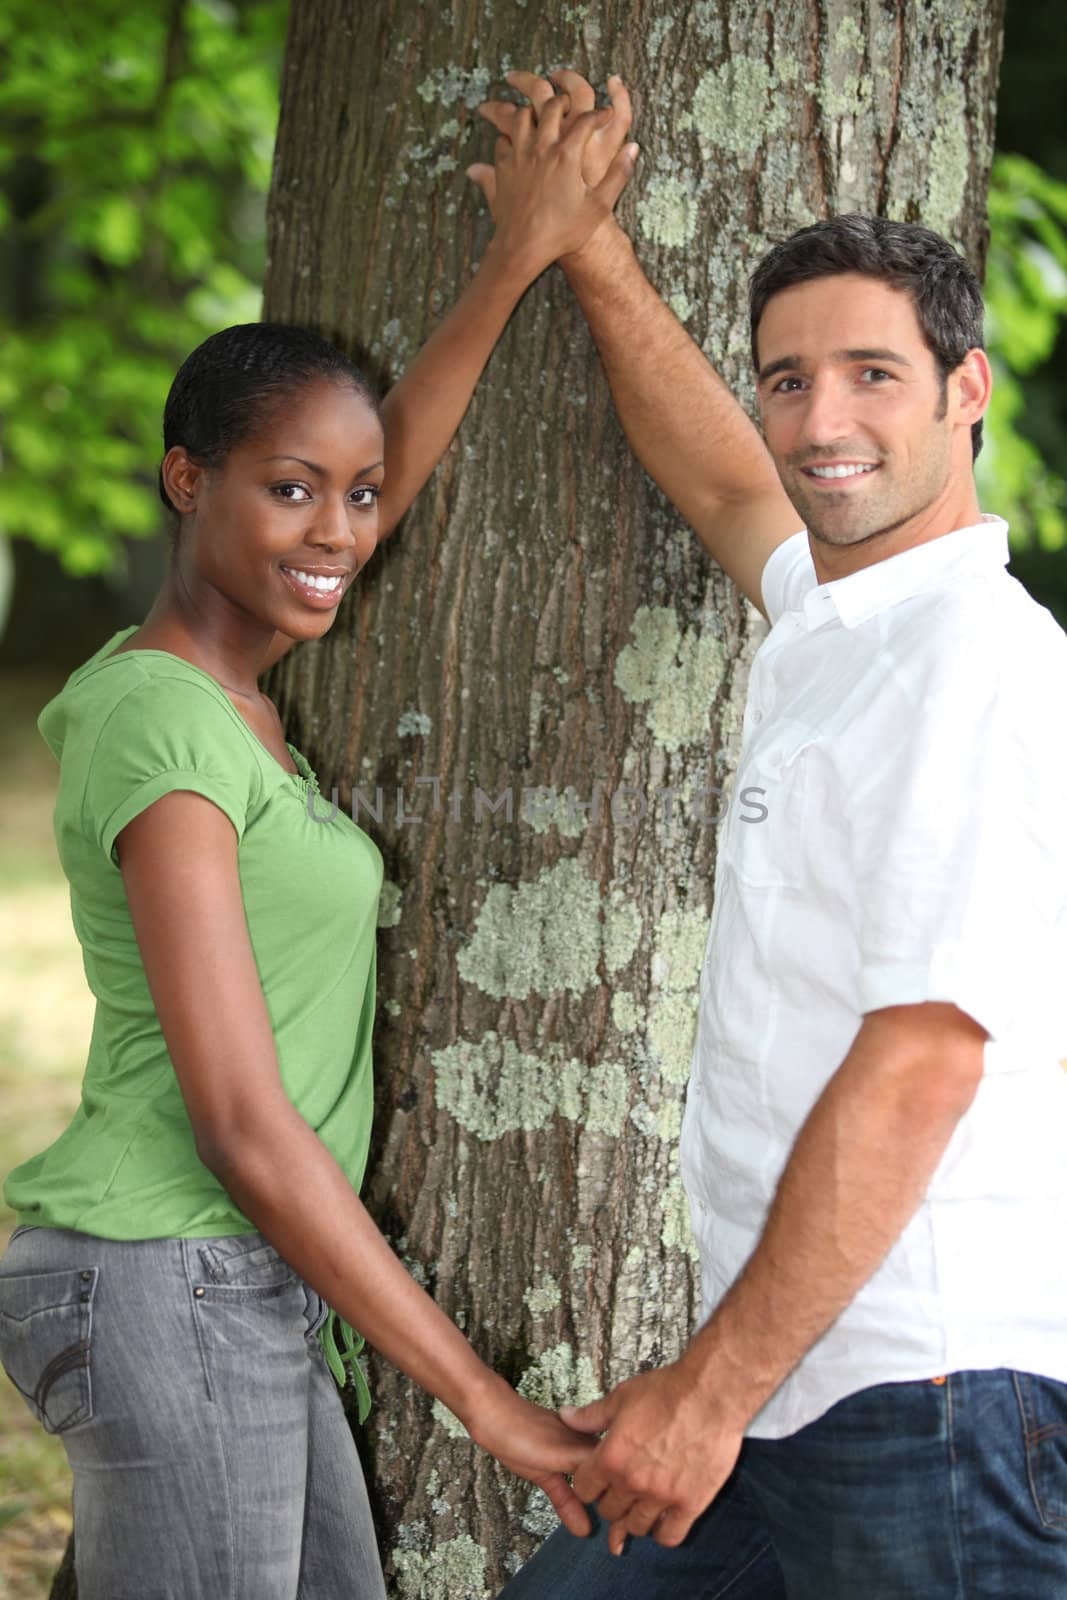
(875, 374)
(788, 386)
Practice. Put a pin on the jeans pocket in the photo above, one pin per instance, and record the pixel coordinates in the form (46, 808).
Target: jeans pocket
(46, 1321)
(245, 1262)
(1043, 1406)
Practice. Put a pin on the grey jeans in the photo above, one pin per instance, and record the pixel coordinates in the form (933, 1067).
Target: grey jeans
(211, 1455)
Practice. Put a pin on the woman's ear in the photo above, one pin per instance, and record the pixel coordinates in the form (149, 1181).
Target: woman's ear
(181, 477)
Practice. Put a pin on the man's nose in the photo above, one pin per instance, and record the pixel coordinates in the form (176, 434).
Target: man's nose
(828, 413)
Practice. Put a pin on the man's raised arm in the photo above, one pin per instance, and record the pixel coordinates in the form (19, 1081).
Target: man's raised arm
(682, 422)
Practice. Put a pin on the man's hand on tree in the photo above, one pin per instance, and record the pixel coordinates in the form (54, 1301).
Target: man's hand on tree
(560, 165)
(579, 98)
(666, 1452)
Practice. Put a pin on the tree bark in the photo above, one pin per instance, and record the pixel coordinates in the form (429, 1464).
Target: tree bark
(544, 621)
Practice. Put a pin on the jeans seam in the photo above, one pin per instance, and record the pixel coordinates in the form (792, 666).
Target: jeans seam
(1032, 1435)
(184, 1246)
(739, 1575)
(221, 1435)
(301, 1589)
(954, 1485)
(1022, 1395)
(220, 1432)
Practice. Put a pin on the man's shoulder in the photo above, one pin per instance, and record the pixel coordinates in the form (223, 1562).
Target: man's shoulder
(787, 574)
(987, 610)
(976, 645)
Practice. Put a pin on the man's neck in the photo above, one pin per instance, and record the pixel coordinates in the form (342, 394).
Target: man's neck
(832, 561)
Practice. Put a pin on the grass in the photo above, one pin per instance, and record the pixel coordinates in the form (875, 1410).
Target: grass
(46, 1014)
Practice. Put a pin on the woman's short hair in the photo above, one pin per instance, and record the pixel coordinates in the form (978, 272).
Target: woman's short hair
(233, 383)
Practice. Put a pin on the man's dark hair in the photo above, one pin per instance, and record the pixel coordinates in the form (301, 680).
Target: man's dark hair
(233, 383)
(942, 288)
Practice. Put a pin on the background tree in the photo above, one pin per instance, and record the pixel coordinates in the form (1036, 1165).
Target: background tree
(134, 157)
(1021, 471)
(1030, 124)
(543, 628)
(135, 147)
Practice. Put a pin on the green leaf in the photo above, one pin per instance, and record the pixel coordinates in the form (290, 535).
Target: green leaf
(114, 230)
(145, 233)
(1026, 301)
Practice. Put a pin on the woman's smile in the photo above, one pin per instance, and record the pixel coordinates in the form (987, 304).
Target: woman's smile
(321, 588)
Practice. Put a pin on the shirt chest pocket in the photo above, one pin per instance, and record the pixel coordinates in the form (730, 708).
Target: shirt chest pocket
(767, 836)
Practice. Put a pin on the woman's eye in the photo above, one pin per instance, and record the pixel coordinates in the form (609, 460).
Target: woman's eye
(285, 491)
(365, 496)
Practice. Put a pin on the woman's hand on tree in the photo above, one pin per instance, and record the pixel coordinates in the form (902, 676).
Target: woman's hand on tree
(536, 1445)
(560, 166)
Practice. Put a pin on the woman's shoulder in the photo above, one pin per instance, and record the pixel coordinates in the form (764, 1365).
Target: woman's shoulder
(140, 698)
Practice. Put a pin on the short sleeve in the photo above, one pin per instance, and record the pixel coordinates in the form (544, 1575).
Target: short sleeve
(165, 734)
(957, 830)
(787, 574)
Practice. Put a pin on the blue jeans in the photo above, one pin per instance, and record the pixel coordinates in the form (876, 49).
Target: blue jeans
(211, 1455)
(953, 1490)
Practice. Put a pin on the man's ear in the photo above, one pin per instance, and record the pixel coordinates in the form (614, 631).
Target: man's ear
(972, 385)
(182, 477)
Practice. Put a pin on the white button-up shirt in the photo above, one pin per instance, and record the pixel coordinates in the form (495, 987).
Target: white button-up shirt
(897, 832)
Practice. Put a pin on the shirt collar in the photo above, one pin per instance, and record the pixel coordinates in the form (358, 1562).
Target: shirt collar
(875, 588)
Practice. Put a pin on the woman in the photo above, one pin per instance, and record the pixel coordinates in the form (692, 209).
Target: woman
(181, 1243)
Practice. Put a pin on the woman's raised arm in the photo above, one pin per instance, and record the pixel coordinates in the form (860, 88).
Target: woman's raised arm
(554, 214)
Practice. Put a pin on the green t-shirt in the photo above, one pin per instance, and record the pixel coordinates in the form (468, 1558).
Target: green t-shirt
(127, 729)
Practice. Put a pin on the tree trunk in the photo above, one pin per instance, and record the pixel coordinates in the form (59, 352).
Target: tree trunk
(544, 636)
(544, 628)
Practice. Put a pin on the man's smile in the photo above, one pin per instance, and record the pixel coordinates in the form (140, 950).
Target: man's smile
(838, 471)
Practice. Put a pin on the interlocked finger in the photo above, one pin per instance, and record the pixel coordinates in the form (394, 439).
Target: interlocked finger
(537, 90)
(552, 114)
(580, 92)
(616, 177)
(673, 1526)
(523, 127)
(643, 1516)
(616, 1504)
(621, 104)
(580, 130)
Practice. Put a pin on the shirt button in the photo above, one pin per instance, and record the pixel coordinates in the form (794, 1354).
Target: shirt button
(757, 716)
(199, 1293)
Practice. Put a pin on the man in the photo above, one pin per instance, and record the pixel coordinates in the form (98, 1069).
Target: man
(875, 1134)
